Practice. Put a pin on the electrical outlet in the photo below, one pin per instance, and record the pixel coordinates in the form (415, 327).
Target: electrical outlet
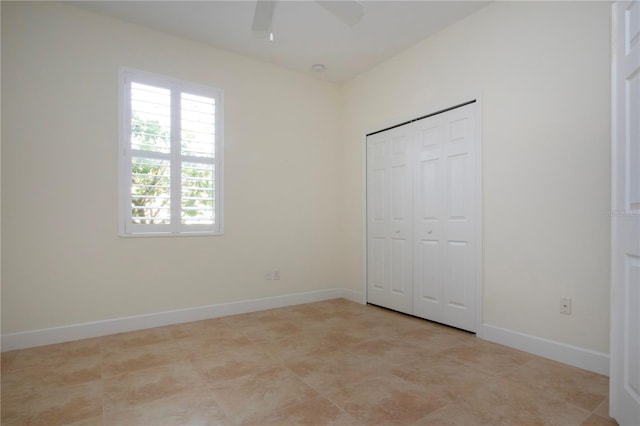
(276, 274)
(268, 275)
(565, 306)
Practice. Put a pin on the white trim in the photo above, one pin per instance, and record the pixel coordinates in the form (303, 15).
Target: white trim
(597, 362)
(613, 331)
(479, 216)
(364, 218)
(67, 333)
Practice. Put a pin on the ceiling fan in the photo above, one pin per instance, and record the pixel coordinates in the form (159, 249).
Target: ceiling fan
(348, 11)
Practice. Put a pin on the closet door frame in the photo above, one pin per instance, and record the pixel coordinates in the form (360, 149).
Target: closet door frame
(479, 278)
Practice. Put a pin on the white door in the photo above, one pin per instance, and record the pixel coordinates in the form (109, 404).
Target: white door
(389, 219)
(625, 214)
(445, 218)
(422, 218)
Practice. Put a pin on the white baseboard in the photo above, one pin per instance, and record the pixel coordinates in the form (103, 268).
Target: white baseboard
(587, 359)
(67, 333)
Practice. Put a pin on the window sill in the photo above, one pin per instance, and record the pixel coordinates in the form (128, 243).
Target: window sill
(170, 234)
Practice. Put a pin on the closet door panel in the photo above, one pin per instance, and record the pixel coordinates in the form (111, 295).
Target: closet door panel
(459, 151)
(389, 220)
(428, 195)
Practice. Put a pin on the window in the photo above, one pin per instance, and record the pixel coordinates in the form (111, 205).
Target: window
(170, 156)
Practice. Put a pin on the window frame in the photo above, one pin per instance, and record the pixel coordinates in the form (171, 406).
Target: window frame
(126, 227)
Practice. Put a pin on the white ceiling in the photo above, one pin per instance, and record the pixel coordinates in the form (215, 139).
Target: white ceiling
(304, 32)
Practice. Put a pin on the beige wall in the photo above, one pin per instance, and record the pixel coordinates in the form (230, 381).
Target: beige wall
(543, 71)
(63, 262)
(294, 179)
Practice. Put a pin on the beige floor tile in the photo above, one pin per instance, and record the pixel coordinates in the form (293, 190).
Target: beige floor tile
(312, 325)
(442, 376)
(40, 380)
(272, 330)
(504, 402)
(391, 352)
(344, 335)
(57, 406)
(7, 361)
(135, 339)
(432, 337)
(249, 398)
(231, 364)
(51, 355)
(393, 324)
(351, 320)
(375, 322)
(487, 357)
(89, 421)
(296, 347)
(133, 388)
(335, 370)
(206, 329)
(300, 312)
(342, 306)
(458, 413)
(123, 360)
(374, 318)
(346, 338)
(387, 400)
(603, 409)
(579, 387)
(595, 420)
(242, 321)
(200, 345)
(312, 412)
(329, 363)
(331, 324)
(189, 407)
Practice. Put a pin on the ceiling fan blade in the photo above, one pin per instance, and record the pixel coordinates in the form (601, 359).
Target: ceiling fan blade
(348, 11)
(262, 18)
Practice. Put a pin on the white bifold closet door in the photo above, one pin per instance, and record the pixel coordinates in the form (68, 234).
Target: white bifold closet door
(422, 218)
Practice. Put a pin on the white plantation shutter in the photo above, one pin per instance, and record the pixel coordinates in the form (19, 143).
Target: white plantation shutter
(171, 156)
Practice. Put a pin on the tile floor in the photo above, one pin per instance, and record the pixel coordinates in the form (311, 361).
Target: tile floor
(326, 363)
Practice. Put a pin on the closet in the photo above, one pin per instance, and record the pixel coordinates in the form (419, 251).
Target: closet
(423, 217)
